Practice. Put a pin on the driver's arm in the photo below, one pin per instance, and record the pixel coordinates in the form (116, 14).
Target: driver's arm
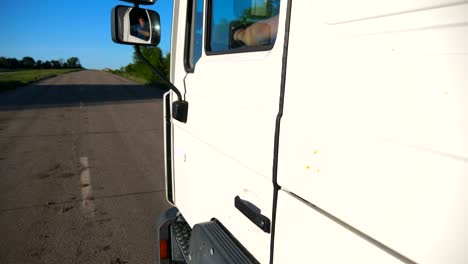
(258, 33)
(143, 32)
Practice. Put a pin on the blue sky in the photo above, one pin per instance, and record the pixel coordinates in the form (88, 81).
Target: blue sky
(55, 29)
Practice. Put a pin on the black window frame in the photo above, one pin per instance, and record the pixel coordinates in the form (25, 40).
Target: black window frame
(208, 18)
(188, 39)
(190, 23)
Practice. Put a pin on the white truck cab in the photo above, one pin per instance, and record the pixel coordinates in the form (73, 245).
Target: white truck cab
(337, 134)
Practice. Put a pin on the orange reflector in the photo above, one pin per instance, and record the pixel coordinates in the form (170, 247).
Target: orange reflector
(163, 249)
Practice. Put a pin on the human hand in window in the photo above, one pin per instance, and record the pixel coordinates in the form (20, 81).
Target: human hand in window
(259, 33)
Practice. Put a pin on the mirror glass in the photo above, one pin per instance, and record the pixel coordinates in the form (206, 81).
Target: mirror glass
(131, 25)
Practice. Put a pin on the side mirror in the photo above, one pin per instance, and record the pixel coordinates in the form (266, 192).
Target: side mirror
(141, 2)
(136, 26)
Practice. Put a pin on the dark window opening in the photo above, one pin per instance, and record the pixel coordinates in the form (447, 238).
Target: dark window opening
(193, 34)
(241, 25)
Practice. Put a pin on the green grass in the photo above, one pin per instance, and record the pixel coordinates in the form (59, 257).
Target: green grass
(131, 77)
(13, 79)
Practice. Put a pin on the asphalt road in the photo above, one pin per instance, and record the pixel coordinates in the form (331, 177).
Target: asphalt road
(81, 170)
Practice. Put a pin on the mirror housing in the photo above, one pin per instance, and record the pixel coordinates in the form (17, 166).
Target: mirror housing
(135, 26)
(141, 2)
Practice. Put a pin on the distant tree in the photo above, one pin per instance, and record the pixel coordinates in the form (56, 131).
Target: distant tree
(167, 65)
(154, 56)
(47, 65)
(74, 62)
(56, 64)
(13, 63)
(130, 68)
(38, 64)
(28, 63)
(139, 69)
(3, 63)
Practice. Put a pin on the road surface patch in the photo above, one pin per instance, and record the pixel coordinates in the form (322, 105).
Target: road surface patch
(87, 205)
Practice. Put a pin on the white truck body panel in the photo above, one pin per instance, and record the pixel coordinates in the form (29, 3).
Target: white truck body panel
(374, 132)
(383, 145)
(330, 243)
(226, 147)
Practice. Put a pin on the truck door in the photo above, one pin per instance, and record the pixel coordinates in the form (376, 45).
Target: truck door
(373, 145)
(225, 150)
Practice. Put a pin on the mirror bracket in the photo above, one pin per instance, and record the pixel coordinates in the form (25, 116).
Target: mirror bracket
(180, 107)
(141, 2)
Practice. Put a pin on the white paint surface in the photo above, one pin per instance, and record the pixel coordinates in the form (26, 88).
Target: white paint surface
(303, 235)
(87, 204)
(376, 132)
(225, 149)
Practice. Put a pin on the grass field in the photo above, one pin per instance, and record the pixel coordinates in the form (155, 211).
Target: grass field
(13, 79)
(131, 77)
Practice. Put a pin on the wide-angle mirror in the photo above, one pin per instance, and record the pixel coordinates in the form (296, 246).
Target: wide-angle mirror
(137, 26)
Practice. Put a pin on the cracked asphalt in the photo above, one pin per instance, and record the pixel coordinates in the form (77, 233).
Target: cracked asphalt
(81, 169)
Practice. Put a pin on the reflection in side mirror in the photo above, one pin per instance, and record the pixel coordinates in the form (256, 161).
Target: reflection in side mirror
(131, 25)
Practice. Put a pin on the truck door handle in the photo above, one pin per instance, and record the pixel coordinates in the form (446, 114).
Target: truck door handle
(253, 213)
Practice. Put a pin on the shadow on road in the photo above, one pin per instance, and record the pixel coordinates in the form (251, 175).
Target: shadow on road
(49, 96)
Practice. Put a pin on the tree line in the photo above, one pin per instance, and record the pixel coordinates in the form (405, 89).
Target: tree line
(140, 70)
(30, 63)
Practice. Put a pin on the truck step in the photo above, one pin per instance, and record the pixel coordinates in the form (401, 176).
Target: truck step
(207, 243)
(180, 234)
(212, 243)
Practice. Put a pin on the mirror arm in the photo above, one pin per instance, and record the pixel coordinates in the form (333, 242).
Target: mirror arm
(179, 107)
(159, 74)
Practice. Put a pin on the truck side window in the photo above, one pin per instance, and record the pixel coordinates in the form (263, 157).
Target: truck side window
(194, 34)
(241, 25)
